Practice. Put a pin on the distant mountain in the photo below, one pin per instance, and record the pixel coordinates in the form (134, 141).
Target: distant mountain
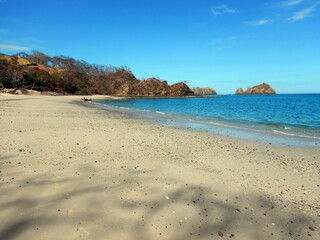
(66, 75)
(262, 89)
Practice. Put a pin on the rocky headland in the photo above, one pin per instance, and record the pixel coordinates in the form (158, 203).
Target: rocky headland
(124, 83)
(203, 91)
(262, 89)
(63, 75)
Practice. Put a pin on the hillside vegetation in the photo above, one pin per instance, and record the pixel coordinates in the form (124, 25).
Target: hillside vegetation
(62, 74)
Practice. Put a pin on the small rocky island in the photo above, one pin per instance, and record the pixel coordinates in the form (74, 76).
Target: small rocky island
(203, 91)
(262, 89)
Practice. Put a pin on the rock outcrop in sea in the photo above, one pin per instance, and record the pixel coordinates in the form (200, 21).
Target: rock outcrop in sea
(239, 91)
(262, 89)
(203, 91)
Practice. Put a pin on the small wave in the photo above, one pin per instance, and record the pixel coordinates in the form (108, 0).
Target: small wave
(231, 126)
(287, 128)
(160, 112)
(294, 135)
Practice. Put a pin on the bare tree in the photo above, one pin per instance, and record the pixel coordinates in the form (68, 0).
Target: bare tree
(10, 74)
(22, 54)
(39, 57)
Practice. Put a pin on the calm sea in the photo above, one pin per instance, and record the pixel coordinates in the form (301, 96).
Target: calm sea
(274, 119)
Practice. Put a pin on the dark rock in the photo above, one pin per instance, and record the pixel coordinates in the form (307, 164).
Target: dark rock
(220, 234)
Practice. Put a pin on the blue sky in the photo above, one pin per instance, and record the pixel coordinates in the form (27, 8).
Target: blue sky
(220, 44)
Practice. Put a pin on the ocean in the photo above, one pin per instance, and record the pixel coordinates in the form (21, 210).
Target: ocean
(282, 119)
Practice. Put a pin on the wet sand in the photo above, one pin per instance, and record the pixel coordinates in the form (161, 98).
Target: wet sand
(69, 171)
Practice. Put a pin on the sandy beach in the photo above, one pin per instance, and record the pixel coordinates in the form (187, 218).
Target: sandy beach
(72, 171)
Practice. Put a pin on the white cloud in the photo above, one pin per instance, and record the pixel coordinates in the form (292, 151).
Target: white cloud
(304, 13)
(259, 22)
(223, 9)
(291, 3)
(6, 47)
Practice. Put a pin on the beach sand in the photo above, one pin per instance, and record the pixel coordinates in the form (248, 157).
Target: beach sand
(71, 171)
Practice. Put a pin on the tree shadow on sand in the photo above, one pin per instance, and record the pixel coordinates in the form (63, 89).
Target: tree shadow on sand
(133, 203)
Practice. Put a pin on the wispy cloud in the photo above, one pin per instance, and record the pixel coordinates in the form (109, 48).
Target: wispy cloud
(259, 22)
(7, 42)
(305, 13)
(3, 31)
(291, 3)
(6, 47)
(223, 9)
(227, 42)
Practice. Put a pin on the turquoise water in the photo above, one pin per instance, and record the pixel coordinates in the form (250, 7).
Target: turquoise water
(291, 119)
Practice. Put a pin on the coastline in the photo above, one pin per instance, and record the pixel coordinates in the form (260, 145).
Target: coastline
(72, 172)
(254, 128)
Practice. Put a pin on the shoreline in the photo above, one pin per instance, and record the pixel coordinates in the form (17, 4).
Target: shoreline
(72, 171)
(273, 134)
